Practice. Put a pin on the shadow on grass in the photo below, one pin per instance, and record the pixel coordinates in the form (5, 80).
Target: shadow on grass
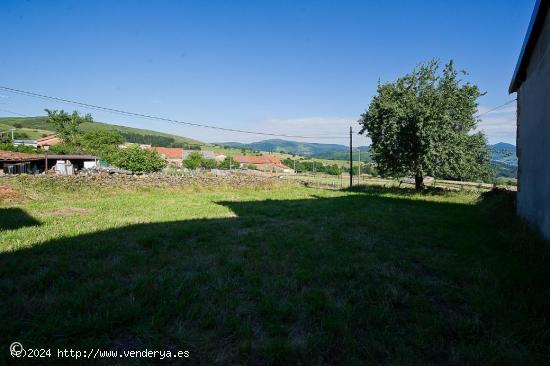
(342, 280)
(14, 218)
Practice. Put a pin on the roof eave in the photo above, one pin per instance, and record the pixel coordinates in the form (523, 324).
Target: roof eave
(519, 72)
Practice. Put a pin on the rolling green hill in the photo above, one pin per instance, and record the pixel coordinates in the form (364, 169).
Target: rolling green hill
(311, 150)
(36, 127)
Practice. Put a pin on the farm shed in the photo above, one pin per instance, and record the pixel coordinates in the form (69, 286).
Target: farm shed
(77, 162)
(531, 82)
(17, 163)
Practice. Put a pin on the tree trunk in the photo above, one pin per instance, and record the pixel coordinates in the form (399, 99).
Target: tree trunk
(418, 182)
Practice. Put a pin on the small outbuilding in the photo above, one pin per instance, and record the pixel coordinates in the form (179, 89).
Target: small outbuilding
(531, 82)
(16, 163)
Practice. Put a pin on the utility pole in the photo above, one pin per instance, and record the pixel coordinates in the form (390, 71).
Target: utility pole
(350, 158)
(359, 175)
(230, 162)
(294, 160)
(12, 129)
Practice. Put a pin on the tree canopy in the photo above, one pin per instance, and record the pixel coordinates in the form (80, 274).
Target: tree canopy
(422, 125)
(136, 159)
(66, 125)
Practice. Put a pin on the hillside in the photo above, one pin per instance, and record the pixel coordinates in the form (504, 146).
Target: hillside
(36, 127)
(312, 150)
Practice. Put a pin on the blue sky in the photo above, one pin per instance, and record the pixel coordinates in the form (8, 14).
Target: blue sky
(294, 67)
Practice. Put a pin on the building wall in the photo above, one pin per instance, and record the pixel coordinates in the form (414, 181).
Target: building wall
(533, 139)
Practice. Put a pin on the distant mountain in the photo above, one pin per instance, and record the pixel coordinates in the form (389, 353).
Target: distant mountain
(312, 150)
(36, 127)
(504, 153)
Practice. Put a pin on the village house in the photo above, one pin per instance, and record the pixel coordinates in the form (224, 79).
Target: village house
(531, 82)
(263, 163)
(49, 140)
(172, 155)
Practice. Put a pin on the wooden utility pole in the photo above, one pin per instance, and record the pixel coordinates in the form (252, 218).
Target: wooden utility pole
(359, 167)
(350, 158)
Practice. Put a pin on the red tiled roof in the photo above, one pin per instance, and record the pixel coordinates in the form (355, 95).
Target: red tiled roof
(257, 159)
(48, 140)
(17, 156)
(169, 152)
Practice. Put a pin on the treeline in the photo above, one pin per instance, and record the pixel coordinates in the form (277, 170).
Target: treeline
(156, 140)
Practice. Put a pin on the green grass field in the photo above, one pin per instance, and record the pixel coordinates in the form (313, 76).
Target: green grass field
(279, 275)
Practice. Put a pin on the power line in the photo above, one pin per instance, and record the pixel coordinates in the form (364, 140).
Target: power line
(11, 112)
(147, 116)
(494, 109)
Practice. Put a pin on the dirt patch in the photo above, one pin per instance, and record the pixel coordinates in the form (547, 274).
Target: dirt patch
(67, 211)
(8, 194)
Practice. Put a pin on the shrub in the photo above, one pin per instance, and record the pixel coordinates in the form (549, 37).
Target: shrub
(193, 161)
(209, 163)
(136, 159)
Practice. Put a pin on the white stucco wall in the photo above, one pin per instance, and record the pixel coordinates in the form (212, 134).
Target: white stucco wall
(534, 138)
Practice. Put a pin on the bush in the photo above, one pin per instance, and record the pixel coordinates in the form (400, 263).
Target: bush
(18, 148)
(209, 163)
(193, 161)
(136, 159)
(228, 163)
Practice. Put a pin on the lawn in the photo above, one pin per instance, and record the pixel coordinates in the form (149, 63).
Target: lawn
(274, 275)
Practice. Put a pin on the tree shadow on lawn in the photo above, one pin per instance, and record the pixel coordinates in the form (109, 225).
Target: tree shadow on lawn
(12, 218)
(339, 280)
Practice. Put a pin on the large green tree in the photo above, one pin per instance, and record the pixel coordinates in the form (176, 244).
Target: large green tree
(66, 125)
(423, 124)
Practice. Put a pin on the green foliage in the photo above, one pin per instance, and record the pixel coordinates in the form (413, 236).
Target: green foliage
(66, 126)
(96, 139)
(209, 164)
(19, 135)
(136, 159)
(420, 125)
(193, 161)
(5, 138)
(66, 148)
(19, 148)
(228, 163)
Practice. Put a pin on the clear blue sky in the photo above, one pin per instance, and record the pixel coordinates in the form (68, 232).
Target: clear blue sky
(296, 67)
